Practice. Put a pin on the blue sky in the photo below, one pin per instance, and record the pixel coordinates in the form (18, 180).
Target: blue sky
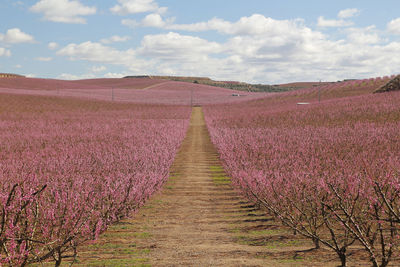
(257, 41)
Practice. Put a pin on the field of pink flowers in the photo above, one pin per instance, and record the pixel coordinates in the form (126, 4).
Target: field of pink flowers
(152, 91)
(54, 84)
(328, 170)
(69, 168)
(332, 90)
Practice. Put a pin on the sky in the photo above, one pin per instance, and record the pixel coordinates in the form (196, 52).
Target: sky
(256, 41)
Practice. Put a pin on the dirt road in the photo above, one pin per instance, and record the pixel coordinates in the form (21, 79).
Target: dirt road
(199, 220)
(200, 208)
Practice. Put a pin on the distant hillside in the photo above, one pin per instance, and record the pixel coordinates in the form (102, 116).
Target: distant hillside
(55, 84)
(240, 86)
(301, 85)
(154, 90)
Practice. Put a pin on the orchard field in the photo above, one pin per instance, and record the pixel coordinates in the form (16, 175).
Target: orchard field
(329, 171)
(78, 157)
(69, 168)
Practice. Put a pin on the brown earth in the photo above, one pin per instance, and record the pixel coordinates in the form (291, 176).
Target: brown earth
(199, 220)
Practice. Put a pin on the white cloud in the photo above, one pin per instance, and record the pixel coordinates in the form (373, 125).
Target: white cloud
(18, 66)
(96, 52)
(156, 54)
(348, 13)
(152, 20)
(253, 25)
(279, 51)
(256, 25)
(68, 76)
(15, 36)
(114, 75)
(44, 59)
(394, 26)
(115, 39)
(322, 22)
(257, 49)
(52, 45)
(341, 21)
(219, 25)
(5, 52)
(65, 11)
(174, 45)
(130, 23)
(126, 7)
(98, 68)
(366, 35)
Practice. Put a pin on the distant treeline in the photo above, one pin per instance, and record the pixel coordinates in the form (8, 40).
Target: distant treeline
(239, 86)
(253, 87)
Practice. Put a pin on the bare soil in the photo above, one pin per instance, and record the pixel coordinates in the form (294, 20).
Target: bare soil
(199, 220)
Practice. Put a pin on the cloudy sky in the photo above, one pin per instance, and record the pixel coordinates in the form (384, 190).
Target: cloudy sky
(259, 41)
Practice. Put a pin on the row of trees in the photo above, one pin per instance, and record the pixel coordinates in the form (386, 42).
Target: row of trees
(69, 168)
(330, 171)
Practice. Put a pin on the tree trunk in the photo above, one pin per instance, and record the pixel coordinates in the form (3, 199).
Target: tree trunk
(316, 243)
(58, 261)
(342, 256)
(375, 262)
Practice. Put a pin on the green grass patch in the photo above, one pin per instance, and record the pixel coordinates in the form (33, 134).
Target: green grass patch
(297, 261)
(138, 262)
(221, 180)
(106, 246)
(113, 234)
(142, 235)
(283, 244)
(235, 230)
(159, 201)
(119, 226)
(268, 232)
(218, 175)
(217, 169)
(126, 257)
(126, 235)
(173, 177)
(244, 240)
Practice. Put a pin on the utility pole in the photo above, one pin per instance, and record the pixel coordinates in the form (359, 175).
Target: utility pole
(191, 97)
(319, 91)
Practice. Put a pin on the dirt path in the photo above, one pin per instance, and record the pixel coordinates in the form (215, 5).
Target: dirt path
(190, 226)
(152, 86)
(199, 220)
(200, 203)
